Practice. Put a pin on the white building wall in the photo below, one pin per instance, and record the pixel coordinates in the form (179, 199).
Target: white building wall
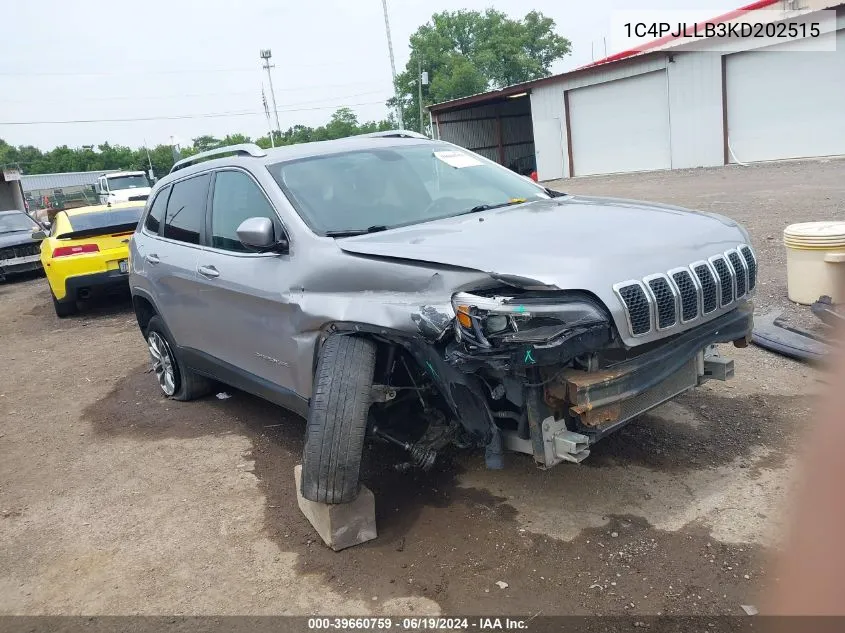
(695, 110)
(549, 131)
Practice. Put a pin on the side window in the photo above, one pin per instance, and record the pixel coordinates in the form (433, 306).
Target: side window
(185, 216)
(236, 197)
(156, 214)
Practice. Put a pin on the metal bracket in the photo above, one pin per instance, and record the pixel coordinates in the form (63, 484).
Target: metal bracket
(382, 393)
(561, 444)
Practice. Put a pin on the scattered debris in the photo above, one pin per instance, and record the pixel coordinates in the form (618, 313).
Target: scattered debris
(223, 396)
(772, 333)
(501, 584)
(749, 609)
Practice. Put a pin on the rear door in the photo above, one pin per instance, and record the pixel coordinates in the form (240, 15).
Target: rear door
(251, 328)
(172, 260)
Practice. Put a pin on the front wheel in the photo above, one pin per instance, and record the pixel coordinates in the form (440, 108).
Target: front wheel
(337, 419)
(175, 381)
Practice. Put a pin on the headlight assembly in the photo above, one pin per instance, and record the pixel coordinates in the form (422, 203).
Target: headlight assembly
(486, 321)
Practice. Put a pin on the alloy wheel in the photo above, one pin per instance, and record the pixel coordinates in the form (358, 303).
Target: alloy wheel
(162, 360)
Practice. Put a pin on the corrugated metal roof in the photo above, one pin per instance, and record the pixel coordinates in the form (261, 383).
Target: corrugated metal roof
(37, 182)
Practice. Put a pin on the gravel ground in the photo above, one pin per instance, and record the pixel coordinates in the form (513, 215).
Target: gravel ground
(114, 500)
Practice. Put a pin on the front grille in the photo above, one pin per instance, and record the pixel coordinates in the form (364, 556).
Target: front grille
(639, 310)
(726, 283)
(739, 269)
(14, 252)
(709, 293)
(688, 293)
(664, 299)
(751, 264)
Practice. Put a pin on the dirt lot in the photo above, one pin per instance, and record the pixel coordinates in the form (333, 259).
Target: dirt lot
(114, 500)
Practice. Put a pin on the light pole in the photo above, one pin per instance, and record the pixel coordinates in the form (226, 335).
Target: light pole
(393, 66)
(266, 54)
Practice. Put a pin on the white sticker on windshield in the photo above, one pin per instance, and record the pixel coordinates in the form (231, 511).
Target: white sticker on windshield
(458, 159)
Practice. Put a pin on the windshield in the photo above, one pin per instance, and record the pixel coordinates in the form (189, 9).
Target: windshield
(111, 219)
(396, 186)
(127, 182)
(17, 221)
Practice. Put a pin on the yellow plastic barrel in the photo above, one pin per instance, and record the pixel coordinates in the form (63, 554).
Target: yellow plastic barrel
(815, 261)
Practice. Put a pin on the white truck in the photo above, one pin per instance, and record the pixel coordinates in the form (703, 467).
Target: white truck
(123, 186)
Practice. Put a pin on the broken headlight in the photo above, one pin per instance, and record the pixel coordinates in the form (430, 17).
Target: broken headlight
(485, 321)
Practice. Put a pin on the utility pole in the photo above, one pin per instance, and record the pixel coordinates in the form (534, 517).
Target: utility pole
(423, 79)
(266, 54)
(400, 118)
(267, 116)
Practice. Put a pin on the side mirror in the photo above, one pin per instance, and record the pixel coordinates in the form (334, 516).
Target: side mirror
(39, 236)
(258, 234)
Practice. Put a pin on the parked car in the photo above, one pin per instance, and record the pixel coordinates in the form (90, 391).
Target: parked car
(18, 250)
(397, 289)
(87, 252)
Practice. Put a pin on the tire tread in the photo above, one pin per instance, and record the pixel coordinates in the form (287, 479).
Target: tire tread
(337, 420)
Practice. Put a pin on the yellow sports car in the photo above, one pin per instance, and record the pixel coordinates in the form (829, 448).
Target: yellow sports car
(86, 252)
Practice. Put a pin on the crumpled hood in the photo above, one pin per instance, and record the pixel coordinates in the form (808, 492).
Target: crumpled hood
(17, 238)
(574, 243)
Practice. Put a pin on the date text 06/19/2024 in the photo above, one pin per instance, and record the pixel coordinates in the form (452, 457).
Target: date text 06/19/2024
(423, 623)
(784, 30)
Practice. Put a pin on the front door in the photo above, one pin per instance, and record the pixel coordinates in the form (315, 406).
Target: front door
(250, 323)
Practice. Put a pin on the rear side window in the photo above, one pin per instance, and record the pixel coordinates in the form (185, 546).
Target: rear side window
(236, 198)
(156, 214)
(185, 217)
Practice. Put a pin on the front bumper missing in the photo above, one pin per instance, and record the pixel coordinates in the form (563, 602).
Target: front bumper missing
(587, 406)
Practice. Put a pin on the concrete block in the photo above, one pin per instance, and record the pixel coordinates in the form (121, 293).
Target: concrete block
(340, 525)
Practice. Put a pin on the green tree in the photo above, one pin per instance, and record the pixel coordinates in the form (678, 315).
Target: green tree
(32, 160)
(467, 52)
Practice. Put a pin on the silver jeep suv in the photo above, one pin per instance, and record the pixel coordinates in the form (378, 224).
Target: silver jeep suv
(392, 288)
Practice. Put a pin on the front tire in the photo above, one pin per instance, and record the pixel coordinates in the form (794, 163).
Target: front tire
(175, 381)
(337, 419)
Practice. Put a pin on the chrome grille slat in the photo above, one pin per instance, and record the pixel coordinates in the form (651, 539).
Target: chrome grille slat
(740, 274)
(726, 280)
(687, 293)
(662, 301)
(637, 306)
(665, 302)
(709, 290)
(751, 265)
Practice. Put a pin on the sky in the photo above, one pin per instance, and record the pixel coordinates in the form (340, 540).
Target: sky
(197, 61)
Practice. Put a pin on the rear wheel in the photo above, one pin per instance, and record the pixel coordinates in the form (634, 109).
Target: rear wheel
(64, 308)
(175, 381)
(337, 420)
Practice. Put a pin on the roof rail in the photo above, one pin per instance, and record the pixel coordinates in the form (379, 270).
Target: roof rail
(395, 134)
(244, 149)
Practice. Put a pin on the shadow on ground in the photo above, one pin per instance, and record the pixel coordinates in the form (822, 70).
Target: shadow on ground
(452, 544)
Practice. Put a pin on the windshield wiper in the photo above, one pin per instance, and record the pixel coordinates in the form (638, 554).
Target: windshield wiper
(352, 232)
(486, 207)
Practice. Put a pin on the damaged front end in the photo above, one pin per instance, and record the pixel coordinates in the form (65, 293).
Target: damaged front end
(546, 374)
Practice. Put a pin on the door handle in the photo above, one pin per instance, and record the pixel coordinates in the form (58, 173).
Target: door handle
(152, 258)
(208, 271)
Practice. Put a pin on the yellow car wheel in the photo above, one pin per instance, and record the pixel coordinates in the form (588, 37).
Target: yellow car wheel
(63, 308)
